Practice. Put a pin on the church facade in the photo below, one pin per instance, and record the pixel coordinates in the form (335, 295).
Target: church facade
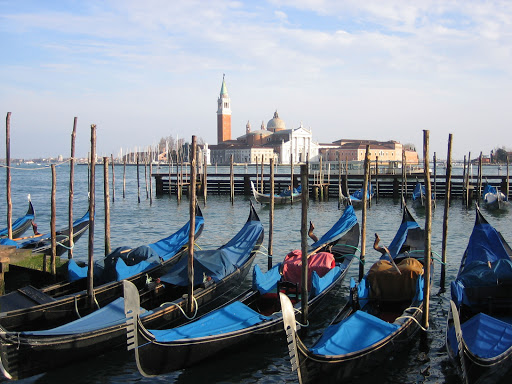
(271, 141)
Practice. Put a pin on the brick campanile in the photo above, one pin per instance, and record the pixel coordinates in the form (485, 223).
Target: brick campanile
(223, 114)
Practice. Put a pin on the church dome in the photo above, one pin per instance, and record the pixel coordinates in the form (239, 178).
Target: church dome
(275, 124)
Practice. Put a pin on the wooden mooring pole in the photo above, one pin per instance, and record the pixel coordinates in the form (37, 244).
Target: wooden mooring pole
(71, 189)
(363, 213)
(150, 184)
(446, 210)
(479, 177)
(377, 178)
(8, 173)
(124, 177)
(262, 173)
(90, 258)
(291, 178)
(106, 200)
(428, 229)
(271, 217)
(52, 223)
(205, 180)
(304, 241)
(138, 180)
(191, 236)
(113, 179)
(232, 181)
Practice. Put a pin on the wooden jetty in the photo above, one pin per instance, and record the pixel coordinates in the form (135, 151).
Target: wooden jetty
(388, 185)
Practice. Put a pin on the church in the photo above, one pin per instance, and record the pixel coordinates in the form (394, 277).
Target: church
(271, 141)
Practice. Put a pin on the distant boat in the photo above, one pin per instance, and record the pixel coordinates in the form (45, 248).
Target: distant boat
(284, 197)
(21, 224)
(494, 199)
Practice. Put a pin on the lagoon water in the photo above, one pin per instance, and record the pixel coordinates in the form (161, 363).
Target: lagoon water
(134, 223)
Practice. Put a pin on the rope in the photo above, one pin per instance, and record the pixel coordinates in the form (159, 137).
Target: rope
(62, 245)
(36, 169)
(358, 258)
(439, 259)
(181, 309)
(412, 318)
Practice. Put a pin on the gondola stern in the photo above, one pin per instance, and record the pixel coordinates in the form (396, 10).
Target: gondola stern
(131, 311)
(290, 328)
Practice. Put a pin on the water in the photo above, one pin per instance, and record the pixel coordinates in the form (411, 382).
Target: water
(134, 224)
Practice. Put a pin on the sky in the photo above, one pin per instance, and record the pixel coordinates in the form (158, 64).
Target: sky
(143, 70)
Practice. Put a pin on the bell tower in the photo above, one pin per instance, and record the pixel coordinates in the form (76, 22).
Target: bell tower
(223, 114)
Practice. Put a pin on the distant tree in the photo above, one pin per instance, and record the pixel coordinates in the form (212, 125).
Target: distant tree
(409, 147)
(499, 155)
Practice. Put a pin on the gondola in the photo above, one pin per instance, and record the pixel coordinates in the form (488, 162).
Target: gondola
(42, 243)
(418, 196)
(254, 314)
(67, 331)
(284, 197)
(493, 199)
(382, 313)
(479, 328)
(21, 224)
(356, 198)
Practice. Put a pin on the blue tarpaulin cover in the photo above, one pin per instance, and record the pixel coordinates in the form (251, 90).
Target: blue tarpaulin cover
(109, 315)
(230, 318)
(217, 264)
(318, 284)
(265, 282)
(400, 238)
(357, 332)
(345, 222)
(18, 223)
(166, 248)
(418, 191)
(485, 245)
(485, 336)
(124, 271)
(75, 272)
(358, 195)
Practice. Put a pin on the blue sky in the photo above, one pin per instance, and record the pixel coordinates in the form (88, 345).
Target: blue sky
(345, 69)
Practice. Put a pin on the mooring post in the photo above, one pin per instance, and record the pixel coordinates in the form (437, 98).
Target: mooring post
(150, 184)
(262, 174)
(428, 228)
(464, 194)
(340, 193)
(169, 184)
(106, 200)
(402, 189)
(363, 213)
(138, 180)
(90, 258)
(205, 179)
(191, 236)
(52, 222)
(146, 174)
(124, 177)
(8, 172)
(435, 176)
(479, 177)
(232, 181)
(507, 186)
(291, 178)
(71, 189)
(446, 210)
(271, 216)
(377, 178)
(304, 241)
(257, 173)
(346, 177)
(113, 179)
